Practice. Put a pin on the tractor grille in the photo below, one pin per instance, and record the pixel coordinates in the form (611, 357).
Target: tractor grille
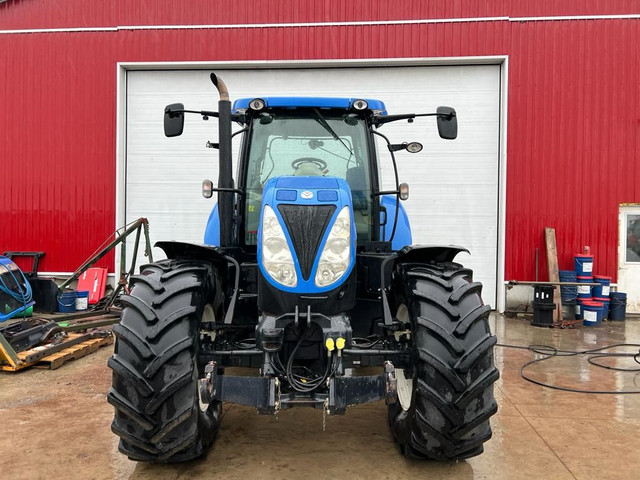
(306, 225)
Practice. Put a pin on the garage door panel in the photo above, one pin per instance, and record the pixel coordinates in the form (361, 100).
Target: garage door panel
(454, 184)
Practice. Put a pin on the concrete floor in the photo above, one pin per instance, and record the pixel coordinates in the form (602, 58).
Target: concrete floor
(55, 424)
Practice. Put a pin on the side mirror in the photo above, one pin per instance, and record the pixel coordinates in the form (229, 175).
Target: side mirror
(447, 123)
(174, 120)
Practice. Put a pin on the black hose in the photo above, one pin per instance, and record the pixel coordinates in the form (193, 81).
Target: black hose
(297, 382)
(552, 352)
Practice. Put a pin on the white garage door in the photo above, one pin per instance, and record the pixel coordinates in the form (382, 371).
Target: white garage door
(454, 184)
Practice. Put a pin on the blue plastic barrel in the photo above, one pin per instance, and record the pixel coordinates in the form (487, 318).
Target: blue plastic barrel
(618, 306)
(605, 306)
(580, 307)
(601, 290)
(568, 292)
(592, 314)
(584, 291)
(67, 301)
(583, 265)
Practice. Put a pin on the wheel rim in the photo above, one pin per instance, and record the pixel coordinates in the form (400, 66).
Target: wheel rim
(404, 384)
(208, 315)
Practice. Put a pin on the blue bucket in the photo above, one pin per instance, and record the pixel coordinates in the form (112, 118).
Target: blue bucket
(592, 314)
(605, 306)
(568, 292)
(67, 301)
(583, 265)
(601, 290)
(82, 301)
(618, 306)
(584, 291)
(580, 307)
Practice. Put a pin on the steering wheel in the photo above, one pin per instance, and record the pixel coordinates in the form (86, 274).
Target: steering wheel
(321, 164)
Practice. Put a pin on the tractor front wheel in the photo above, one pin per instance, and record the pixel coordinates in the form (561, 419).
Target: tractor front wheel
(159, 413)
(446, 398)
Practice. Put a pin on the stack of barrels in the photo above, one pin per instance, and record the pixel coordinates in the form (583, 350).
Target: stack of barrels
(592, 305)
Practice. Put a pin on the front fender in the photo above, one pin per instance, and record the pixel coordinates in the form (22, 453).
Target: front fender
(193, 251)
(417, 254)
(412, 254)
(215, 255)
(429, 253)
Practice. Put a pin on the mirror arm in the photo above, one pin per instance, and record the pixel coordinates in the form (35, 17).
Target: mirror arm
(382, 119)
(235, 117)
(385, 192)
(229, 190)
(204, 113)
(394, 147)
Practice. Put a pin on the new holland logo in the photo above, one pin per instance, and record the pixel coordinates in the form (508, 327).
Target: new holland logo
(306, 194)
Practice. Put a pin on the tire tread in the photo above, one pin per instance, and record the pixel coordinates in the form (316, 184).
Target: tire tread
(449, 418)
(154, 390)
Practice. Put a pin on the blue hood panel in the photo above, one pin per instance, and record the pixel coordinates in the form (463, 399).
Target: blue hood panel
(307, 191)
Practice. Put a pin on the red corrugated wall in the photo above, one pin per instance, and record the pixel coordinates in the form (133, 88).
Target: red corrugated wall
(573, 112)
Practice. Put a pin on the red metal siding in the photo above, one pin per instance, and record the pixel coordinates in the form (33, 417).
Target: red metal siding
(573, 136)
(574, 106)
(57, 147)
(83, 13)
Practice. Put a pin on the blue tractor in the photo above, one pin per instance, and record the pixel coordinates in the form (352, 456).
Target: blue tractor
(307, 291)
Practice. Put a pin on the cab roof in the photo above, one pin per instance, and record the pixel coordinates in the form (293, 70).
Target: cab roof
(318, 102)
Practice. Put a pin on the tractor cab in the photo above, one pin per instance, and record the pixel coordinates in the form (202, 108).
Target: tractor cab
(307, 137)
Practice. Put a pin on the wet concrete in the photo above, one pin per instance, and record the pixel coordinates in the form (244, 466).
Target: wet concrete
(55, 424)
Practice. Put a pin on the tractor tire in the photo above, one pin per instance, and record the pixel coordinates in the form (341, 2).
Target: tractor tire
(159, 414)
(448, 397)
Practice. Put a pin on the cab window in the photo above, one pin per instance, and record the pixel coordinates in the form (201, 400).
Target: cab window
(308, 142)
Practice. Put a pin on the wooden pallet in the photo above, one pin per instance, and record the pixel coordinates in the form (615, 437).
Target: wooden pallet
(57, 359)
(73, 353)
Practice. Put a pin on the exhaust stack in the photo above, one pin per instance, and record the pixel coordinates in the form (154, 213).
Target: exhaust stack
(225, 177)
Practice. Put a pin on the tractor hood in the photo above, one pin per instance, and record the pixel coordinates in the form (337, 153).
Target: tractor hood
(306, 234)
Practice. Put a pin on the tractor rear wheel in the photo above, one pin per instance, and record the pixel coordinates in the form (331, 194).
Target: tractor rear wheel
(446, 399)
(159, 413)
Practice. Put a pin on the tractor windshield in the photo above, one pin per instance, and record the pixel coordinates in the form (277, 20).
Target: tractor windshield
(309, 142)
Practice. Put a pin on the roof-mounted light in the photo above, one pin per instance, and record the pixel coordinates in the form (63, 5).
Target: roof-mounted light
(360, 104)
(256, 104)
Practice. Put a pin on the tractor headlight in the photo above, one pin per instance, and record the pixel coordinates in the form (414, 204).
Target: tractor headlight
(336, 254)
(276, 255)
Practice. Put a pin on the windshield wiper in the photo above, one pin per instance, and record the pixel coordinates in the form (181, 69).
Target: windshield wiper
(321, 120)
